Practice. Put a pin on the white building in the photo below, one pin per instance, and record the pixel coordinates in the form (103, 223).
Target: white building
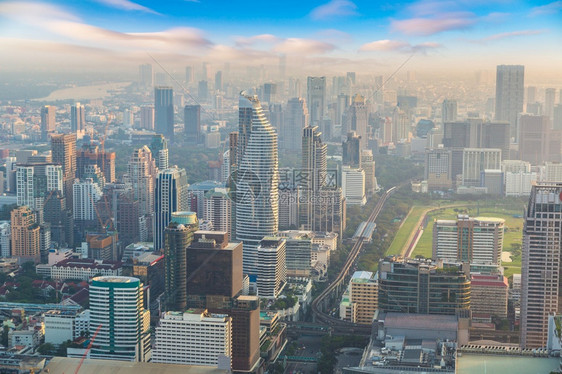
(272, 268)
(193, 338)
(85, 195)
(475, 240)
(519, 184)
(116, 308)
(475, 161)
(61, 326)
(217, 208)
(353, 186)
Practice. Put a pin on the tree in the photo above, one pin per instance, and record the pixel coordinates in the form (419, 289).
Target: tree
(47, 349)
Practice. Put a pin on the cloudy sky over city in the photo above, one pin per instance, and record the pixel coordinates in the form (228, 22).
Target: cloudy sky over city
(354, 34)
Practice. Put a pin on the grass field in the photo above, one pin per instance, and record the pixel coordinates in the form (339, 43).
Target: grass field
(512, 235)
(404, 232)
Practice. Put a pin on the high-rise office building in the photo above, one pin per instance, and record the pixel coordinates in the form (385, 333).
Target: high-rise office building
(214, 265)
(141, 173)
(557, 117)
(217, 205)
(147, 117)
(206, 339)
(475, 161)
(59, 218)
(295, 119)
(449, 111)
(496, 135)
(146, 76)
(116, 309)
(418, 286)
(177, 237)
(538, 142)
(269, 93)
(352, 150)
(272, 269)
(368, 165)
(159, 149)
(188, 74)
(218, 81)
(356, 119)
(509, 96)
(63, 151)
(48, 121)
(192, 123)
(400, 126)
(25, 234)
(316, 101)
(77, 118)
(203, 91)
(531, 94)
(540, 267)
(257, 180)
(164, 111)
(476, 240)
(170, 195)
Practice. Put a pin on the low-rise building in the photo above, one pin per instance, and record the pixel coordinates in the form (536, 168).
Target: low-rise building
(85, 269)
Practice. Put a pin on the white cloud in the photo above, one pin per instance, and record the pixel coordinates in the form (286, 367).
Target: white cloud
(398, 46)
(303, 47)
(335, 8)
(126, 5)
(550, 8)
(434, 25)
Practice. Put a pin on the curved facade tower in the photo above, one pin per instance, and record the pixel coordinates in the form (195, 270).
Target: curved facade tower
(257, 180)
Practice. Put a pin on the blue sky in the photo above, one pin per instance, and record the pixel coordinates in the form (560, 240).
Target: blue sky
(337, 32)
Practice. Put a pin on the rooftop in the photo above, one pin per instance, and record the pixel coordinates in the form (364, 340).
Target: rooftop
(91, 366)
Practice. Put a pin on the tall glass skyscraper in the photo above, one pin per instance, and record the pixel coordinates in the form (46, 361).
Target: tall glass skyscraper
(257, 180)
(509, 95)
(170, 195)
(164, 111)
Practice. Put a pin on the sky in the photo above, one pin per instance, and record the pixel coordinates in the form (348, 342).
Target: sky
(312, 35)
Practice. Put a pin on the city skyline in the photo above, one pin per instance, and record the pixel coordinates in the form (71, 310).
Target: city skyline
(338, 34)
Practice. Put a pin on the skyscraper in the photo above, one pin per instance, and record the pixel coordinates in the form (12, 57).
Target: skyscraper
(295, 119)
(48, 113)
(509, 95)
(116, 309)
(164, 111)
(316, 100)
(203, 91)
(257, 180)
(170, 195)
(272, 269)
(538, 142)
(85, 194)
(356, 119)
(141, 173)
(147, 117)
(352, 150)
(63, 150)
(475, 161)
(540, 267)
(449, 111)
(77, 118)
(192, 123)
(177, 237)
(26, 241)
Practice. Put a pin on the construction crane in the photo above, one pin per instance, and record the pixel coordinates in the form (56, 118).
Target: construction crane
(87, 350)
